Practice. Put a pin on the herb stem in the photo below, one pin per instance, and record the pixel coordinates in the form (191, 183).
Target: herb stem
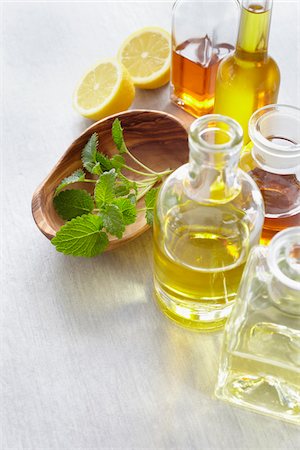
(149, 175)
(141, 183)
(144, 183)
(165, 172)
(88, 180)
(140, 163)
(144, 191)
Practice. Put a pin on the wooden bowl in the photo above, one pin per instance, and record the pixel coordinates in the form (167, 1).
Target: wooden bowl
(156, 138)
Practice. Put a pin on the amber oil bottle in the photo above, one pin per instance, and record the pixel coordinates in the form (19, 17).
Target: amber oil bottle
(203, 34)
(272, 158)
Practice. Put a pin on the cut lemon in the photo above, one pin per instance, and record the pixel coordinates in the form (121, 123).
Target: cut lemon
(105, 89)
(146, 54)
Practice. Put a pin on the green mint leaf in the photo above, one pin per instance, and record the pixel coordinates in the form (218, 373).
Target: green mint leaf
(132, 198)
(117, 162)
(113, 220)
(89, 153)
(76, 176)
(149, 216)
(121, 190)
(73, 203)
(134, 187)
(127, 208)
(117, 135)
(104, 189)
(97, 170)
(104, 162)
(81, 237)
(150, 199)
(124, 186)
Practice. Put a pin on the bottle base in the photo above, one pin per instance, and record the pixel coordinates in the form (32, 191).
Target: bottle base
(192, 106)
(192, 314)
(251, 392)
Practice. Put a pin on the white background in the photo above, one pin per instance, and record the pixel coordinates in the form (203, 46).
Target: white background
(87, 359)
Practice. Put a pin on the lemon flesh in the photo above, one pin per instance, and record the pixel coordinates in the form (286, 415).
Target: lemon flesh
(146, 56)
(104, 90)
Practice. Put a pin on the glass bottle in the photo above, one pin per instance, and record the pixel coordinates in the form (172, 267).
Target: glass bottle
(260, 363)
(272, 158)
(208, 215)
(250, 78)
(203, 33)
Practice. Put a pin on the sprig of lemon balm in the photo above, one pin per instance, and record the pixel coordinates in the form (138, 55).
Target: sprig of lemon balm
(93, 218)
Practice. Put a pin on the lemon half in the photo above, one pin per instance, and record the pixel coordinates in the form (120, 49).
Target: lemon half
(146, 54)
(105, 89)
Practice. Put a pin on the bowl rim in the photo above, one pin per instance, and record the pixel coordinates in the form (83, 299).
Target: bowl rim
(36, 204)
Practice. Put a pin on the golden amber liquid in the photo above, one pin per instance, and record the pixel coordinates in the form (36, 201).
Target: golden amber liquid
(198, 264)
(248, 79)
(194, 75)
(273, 226)
(281, 194)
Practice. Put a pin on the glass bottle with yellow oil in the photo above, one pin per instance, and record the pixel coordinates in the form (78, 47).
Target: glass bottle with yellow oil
(249, 78)
(208, 215)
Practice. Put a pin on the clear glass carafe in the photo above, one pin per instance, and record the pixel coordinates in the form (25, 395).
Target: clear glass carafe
(260, 363)
(203, 33)
(272, 158)
(208, 215)
(249, 78)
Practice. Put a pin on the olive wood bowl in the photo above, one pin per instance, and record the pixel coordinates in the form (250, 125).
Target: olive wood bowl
(156, 138)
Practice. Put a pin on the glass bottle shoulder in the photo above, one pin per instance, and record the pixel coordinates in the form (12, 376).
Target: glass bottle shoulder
(178, 189)
(241, 216)
(233, 66)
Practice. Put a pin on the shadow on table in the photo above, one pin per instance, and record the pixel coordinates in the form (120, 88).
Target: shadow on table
(110, 297)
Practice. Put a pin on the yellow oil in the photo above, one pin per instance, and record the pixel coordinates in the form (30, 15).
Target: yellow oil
(199, 258)
(248, 79)
(268, 387)
(263, 372)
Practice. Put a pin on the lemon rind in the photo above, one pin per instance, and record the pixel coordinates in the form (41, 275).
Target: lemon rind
(155, 75)
(120, 69)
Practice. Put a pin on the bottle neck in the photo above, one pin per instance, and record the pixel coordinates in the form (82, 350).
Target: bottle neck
(254, 28)
(213, 176)
(215, 142)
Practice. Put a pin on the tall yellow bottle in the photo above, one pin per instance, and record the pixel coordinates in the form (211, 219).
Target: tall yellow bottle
(249, 78)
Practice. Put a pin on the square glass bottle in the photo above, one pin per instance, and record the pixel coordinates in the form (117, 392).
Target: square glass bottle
(260, 363)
